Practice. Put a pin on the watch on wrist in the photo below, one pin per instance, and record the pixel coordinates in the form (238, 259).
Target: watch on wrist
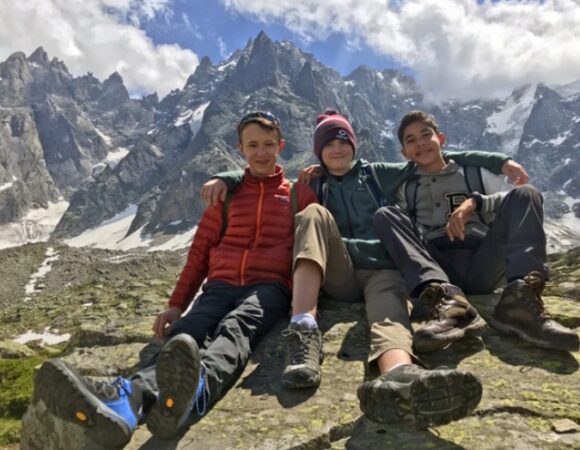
(478, 200)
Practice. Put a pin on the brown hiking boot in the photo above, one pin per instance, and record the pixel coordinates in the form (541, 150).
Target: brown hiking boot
(302, 357)
(521, 311)
(420, 397)
(451, 317)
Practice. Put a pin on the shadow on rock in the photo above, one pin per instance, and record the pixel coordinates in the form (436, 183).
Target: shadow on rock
(367, 435)
(265, 379)
(516, 352)
(454, 354)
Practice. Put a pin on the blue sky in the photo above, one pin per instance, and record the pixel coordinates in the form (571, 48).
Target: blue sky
(209, 29)
(454, 48)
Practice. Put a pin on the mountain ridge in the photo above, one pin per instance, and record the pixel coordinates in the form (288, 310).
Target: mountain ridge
(104, 151)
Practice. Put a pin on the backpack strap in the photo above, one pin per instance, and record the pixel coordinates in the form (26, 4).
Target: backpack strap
(474, 182)
(371, 181)
(225, 210)
(411, 189)
(293, 198)
(473, 179)
(321, 189)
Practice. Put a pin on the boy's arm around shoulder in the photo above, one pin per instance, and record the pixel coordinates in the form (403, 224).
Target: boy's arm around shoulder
(494, 162)
(232, 178)
(196, 268)
(391, 176)
(305, 194)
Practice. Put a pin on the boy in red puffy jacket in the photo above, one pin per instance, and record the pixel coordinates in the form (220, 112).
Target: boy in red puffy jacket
(246, 255)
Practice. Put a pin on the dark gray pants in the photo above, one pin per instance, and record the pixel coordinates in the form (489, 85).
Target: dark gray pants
(514, 246)
(227, 322)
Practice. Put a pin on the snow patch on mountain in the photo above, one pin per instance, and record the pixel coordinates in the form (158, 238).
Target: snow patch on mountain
(560, 237)
(193, 117)
(36, 226)
(509, 121)
(177, 242)
(46, 266)
(112, 234)
(8, 185)
(45, 338)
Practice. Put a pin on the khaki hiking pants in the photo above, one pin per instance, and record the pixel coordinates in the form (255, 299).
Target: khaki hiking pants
(318, 239)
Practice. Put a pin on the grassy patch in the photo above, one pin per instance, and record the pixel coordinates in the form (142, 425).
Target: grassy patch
(16, 376)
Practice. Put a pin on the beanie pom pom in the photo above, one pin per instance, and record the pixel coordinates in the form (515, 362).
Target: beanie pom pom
(328, 112)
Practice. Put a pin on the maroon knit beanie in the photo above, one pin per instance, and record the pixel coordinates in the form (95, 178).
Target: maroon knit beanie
(329, 126)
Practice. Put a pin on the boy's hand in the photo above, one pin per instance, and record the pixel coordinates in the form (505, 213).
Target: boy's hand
(164, 321)
(310, 173)
(515, 172)
(456, 225)
(213, 190)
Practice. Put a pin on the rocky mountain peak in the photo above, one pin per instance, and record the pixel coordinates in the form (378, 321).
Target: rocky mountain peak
(114, 92)
(114, 79)
(39, 56)
(258, 66)
(202, 74)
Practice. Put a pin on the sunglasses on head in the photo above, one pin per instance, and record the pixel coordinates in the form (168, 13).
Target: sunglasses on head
(260, 115)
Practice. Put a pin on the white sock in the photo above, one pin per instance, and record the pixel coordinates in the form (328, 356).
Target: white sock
(306, 319)
(398, 365)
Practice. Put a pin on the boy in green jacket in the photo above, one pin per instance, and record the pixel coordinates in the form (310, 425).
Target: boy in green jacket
(337, 249)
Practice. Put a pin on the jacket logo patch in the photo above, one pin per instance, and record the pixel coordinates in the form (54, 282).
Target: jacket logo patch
(283, 198)
(454, 200)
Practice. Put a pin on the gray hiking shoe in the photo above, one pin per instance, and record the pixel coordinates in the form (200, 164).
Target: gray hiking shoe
(420, 397)
(177, 371)
(108, 412)
(303, 357)
(521, 311)
(451, 317)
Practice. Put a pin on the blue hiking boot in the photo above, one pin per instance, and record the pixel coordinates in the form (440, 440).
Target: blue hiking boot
(107, 411)
(178, 379)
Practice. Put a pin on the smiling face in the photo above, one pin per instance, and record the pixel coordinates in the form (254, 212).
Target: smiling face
(422, 144)
(337, 156)
(260, 146)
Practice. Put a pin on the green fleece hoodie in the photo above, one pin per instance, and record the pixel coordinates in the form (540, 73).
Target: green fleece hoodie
(353, 207)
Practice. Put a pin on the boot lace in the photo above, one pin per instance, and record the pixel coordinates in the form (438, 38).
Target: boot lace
(299, 344)
(432, 296)
(536, 281)
(106, 390)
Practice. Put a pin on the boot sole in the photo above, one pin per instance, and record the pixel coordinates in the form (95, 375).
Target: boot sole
(177, 372)
(435, 399)
(510, 329)
(66, 397)
(293, 380)
(431, 343)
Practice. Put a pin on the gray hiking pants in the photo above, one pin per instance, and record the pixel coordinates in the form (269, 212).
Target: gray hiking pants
(514, 246)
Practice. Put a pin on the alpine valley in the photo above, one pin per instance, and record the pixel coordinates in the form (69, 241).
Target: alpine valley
(84, 162)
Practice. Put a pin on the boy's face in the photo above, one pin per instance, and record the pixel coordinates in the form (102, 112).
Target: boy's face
(422, 145)
(337, 156)
(260, 148)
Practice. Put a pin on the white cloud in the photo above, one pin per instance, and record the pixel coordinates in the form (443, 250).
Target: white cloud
(456, 48)
(101, 36)
(223, 48)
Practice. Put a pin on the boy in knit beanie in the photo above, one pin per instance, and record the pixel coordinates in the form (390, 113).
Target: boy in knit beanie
(337, 249)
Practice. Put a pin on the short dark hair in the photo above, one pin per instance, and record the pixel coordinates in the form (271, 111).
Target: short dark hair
(416, 116)
(265, 120)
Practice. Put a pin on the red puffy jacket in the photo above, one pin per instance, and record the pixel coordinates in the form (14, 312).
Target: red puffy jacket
(257, 244)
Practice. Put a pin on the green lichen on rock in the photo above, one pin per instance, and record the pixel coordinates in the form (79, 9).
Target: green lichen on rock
(108, 301)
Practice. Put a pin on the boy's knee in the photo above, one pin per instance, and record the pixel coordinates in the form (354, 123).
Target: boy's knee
(385, 215)
(527, 192)
(314, 212)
